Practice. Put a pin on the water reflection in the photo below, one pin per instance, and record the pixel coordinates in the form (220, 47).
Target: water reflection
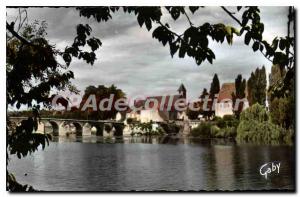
(91, 163)
(142, 139)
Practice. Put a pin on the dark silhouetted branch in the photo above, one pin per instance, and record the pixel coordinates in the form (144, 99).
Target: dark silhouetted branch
(15, 34)
(231, 15)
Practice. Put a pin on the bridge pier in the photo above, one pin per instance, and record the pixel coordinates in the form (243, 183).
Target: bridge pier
(86, 130)
(63, 129)
(41, 127)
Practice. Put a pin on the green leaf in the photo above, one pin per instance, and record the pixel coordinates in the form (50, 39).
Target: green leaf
(261, 47)
(173, 48)
(175, 11)
(282, 44)
(228, 30)
(280, 59)
(182, 51)
(275, 43)
(140, 20)
(163, 35)
(148, 24)
(209, 58)
(247, 38)
(235, 31)
(193, 9)
(229, 39)
(255, 46)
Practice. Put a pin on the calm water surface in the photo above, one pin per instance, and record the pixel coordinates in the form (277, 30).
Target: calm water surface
(97, 164)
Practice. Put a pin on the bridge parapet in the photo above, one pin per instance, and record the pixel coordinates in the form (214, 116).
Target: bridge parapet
(63, 127)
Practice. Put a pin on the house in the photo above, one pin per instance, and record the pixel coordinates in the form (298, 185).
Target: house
(224, 105)
(158, 108)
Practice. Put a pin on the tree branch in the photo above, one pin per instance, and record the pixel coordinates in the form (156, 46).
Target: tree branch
(266, 56)
(10, 28)
(231, 15)
(188, 18)
(175, 34)
(239, 22)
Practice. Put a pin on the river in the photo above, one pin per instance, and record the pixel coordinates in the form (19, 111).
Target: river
(147, 164)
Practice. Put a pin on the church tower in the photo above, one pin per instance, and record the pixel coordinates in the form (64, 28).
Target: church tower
(182, 91)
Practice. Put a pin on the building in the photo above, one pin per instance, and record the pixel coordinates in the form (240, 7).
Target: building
(159, 108)
(224, 105)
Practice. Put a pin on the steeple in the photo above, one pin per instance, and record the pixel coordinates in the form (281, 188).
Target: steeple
(182, 91)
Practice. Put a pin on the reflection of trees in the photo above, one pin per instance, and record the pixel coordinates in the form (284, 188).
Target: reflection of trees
(209, 159)
(224, 167)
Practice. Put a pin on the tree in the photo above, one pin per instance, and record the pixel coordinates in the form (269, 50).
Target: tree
(214, 86)
(32, 70)
(277, 74)
(256, 87)
(205, 111)
(281, 108)
(240, 87)
(193, 114)
(255, 126)
(101, 92)
(214, 89)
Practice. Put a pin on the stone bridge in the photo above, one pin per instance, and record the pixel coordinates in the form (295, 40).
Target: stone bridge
(64, 127)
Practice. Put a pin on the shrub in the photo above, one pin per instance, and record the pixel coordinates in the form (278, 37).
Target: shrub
(216, 118)
(256, 112)
(160, 131)
(255, 131)
(170, 128)
(230, 132)
(226, 121)
(231, 121)
(221, 123)
(130, 120)
(288, 136)
(202, 130)
(226, 132)
(214, 131)
(229, 118)
(144, 127)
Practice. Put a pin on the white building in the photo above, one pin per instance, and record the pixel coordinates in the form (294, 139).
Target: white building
(158, 108)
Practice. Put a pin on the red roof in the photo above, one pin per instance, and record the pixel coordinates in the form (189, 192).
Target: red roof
(226, 91)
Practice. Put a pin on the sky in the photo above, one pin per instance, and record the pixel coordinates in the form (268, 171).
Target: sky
(138, 64)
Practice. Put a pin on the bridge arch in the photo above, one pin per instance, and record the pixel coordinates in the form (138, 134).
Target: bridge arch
(108, 130)
(78, 128)
(118, 129)
(99, 128)
(55, 128)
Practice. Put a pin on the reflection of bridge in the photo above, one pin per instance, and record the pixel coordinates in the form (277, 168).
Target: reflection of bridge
(63, 127)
